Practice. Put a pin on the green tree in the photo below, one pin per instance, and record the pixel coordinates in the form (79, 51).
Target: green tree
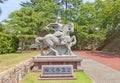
(111, 14)
(22, 24)
(45, 12)
(70, 9)
(1, 27)
(110, 19)
(31, 21)
(87, 17)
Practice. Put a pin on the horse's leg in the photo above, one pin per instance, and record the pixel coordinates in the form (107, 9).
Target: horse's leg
(69, 49)
(39, 40)
(41, 49)
(56, 52)
(51, 44)
(73, 41)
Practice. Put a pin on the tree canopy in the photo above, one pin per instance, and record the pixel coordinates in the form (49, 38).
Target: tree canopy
(93, 20)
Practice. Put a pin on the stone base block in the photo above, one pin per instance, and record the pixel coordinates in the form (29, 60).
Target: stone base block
(57, 60)
(58, 78)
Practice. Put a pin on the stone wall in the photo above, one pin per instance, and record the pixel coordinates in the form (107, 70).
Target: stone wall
(15, 74)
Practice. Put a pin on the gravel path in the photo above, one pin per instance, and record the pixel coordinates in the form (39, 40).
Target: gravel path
(98, 72)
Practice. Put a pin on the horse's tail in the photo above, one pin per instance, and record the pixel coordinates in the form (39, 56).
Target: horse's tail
(38, 39)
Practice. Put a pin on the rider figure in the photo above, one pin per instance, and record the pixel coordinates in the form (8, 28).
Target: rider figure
(58, 30)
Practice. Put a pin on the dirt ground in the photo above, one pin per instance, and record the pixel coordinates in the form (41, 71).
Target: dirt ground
(109, 59)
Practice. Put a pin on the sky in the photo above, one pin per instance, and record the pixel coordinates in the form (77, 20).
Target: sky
(9, 6)
(13, 5)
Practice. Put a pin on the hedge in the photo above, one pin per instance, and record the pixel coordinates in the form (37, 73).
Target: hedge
(8, 43)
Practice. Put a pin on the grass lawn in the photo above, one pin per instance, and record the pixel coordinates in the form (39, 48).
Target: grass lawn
(10, 60)
(32, 77)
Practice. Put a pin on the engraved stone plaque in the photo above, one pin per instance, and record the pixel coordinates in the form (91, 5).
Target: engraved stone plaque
(57, 72)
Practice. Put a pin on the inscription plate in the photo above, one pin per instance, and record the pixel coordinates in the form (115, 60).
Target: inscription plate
(57, 72)
(57, 69)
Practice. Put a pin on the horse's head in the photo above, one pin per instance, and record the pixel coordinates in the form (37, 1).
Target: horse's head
(70, 27)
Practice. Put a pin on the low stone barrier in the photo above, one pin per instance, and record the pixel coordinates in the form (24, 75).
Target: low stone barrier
(15, 74)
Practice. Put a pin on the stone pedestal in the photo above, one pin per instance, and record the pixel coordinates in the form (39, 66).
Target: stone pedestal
(57, 60)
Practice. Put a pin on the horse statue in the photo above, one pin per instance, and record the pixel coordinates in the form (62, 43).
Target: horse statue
(56, 40)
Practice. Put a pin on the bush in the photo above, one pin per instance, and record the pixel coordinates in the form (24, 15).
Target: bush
(8, 43)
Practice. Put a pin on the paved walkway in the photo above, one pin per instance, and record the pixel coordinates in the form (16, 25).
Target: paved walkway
(107, 58)
(99, 72)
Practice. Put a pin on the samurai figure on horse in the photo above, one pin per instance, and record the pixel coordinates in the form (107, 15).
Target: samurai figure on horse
(60, 41)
